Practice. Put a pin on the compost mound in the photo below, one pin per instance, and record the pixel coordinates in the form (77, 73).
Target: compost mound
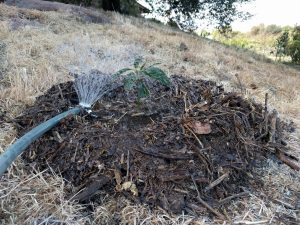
(185, 145)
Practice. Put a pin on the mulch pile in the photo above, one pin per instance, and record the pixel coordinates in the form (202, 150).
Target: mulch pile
(190, 147)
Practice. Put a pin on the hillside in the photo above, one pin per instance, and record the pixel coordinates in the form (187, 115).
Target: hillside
(261, 40)
(39, 49)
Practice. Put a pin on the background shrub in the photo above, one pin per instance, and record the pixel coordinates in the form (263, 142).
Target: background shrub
(273, 29)
(294, 51)
(294, 46)
(281, 44)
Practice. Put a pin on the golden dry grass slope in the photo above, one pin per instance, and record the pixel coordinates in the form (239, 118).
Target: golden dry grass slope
(41, 48)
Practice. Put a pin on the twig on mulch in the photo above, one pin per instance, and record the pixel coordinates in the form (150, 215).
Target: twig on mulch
(128, 165)
(265, 121)
(165, 156)
(60, 92)
(205, 204)
(91, 189)
(216, 182)
(273, 122)
(281, 156)
(228, 199)
(198, 140)
(287, 205)
(246, 222)
(266, 114)
(266, 106)
(240, 84)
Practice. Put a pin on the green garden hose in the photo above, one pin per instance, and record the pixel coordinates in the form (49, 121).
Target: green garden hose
(21, 144)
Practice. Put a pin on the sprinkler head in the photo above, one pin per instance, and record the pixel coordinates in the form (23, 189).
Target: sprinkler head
(86, 107)
(88, 110)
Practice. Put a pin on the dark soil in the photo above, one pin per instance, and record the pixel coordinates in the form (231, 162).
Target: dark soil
(181, 140)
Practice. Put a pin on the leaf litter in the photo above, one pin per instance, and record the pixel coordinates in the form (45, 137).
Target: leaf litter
(191, 147)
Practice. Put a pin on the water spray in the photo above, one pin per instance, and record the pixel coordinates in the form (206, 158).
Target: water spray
(89, 87)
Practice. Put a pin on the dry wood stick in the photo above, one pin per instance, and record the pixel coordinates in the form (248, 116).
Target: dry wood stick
(287, 205)
(91, 189)
(216, 182)
(265, 119)
(266, 112)
(200, 143)
(280, 155)
(225, 200)
(205, 204)
(185, 103)
(273, 121)
(128, 165)
(246, 222)
(240, 84)
(164, 156)
(60, 92)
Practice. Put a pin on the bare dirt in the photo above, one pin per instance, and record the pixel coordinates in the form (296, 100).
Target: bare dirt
(190, 147)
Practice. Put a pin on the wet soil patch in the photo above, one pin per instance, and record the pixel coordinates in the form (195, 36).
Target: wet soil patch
(183, 147)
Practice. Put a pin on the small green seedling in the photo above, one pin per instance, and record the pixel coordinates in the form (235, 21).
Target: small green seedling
(134, 78)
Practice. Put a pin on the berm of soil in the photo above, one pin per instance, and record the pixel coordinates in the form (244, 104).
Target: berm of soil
(190, 147)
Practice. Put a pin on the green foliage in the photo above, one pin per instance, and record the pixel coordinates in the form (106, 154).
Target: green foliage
(186, 13)
(266, 40)
(204, 33)
(157, 74)
(255, 30)
(270, 30)
(281, 44)
(239, 42)
(294, 45)
(258, 30)
(135, 77)
(273, 29)
(295, 33)
(294, 51)
(129, 7)
(233, 38)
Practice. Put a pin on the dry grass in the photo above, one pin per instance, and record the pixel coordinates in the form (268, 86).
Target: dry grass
(42, 53)
(137, 214)
(40, 200)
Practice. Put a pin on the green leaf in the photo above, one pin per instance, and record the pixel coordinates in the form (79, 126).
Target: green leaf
(121, 71)
(157, 74)
(143, 91)
(130, 81)
(142, 67)
(154, 64)
(137, 62)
